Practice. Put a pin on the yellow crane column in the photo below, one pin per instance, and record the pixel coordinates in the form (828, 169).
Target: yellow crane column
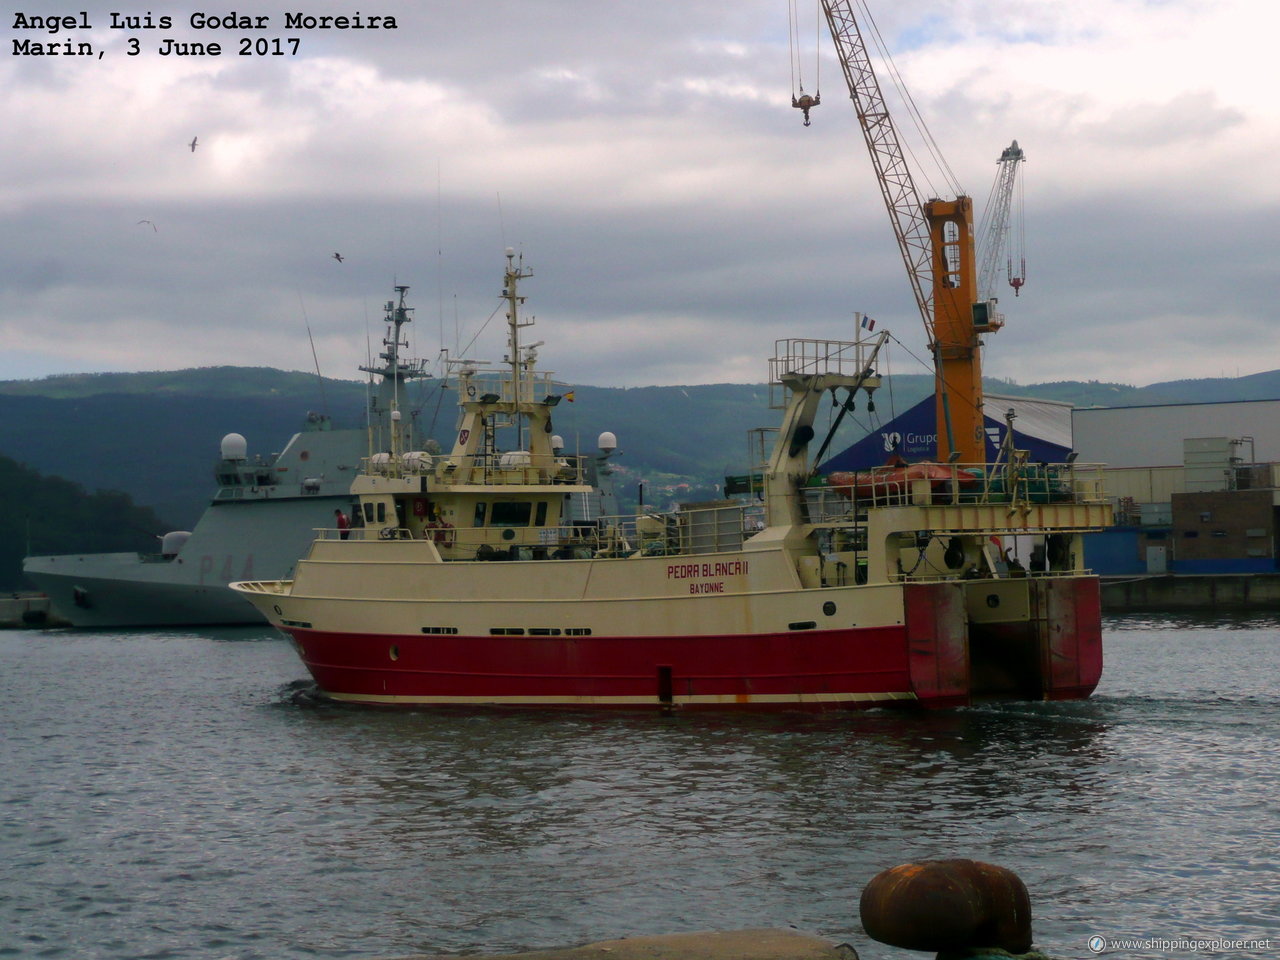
(956, 328)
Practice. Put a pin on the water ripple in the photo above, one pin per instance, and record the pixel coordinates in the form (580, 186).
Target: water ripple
(179, 794)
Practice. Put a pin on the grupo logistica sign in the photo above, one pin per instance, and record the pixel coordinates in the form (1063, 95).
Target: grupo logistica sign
(913, 437)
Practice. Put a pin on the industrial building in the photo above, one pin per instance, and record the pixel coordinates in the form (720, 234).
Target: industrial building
(1196, 486)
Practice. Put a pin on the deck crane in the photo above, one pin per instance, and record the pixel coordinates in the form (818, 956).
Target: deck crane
(994, 232)
(937, 246)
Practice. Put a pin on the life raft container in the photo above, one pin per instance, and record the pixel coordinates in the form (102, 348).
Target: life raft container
(891, 481)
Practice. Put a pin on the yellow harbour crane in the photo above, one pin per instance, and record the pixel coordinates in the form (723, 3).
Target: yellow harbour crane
(936, 240)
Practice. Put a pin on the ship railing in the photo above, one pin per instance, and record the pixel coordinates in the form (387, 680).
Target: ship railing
(494, 386)
(266, 586)
(516, 467)
(796, 357)
(1015, 571)
(842, 497)
(693, 530)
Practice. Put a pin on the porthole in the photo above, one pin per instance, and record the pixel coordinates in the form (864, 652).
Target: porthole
(829, 608)
(394, 652)
(993, 600)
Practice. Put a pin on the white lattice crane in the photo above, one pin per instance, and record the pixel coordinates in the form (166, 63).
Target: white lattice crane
(994, 233)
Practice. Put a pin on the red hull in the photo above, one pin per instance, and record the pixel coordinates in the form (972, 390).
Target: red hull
(936, 659)
(817, 669)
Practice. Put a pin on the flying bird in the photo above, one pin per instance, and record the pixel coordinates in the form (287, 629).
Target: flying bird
(338, 257)
(153, 226)
(192, 144)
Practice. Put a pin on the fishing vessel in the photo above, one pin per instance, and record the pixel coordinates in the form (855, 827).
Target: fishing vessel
(260, 520)
(468, 585)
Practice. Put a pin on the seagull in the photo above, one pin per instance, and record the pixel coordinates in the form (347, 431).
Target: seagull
(192, 144)
(153, 226)
(338, 257)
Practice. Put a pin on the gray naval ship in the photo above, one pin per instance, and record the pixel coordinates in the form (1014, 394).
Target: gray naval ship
(260, 521)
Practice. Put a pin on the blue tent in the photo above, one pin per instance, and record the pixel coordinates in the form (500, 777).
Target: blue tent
(1041, 427)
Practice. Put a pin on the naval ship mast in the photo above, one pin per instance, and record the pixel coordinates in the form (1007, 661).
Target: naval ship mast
(384, 404)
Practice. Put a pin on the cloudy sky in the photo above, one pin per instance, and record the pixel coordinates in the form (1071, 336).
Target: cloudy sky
(643, 157)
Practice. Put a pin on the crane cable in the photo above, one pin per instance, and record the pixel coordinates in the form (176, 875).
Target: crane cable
(793, 46)
(793, 38)
(1019, 245)
(932, 367)
(917, 118)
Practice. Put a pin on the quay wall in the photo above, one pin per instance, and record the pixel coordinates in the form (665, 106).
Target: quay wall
(26, 610)
(1241, 591)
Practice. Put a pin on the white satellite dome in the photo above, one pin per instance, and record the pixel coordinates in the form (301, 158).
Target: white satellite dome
(234, 447)
(607, 441)
(173, 541)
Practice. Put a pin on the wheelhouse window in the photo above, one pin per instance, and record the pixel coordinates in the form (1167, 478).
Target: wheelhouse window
(511, 513)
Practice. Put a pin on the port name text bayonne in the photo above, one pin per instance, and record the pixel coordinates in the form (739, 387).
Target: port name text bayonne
(54, 23)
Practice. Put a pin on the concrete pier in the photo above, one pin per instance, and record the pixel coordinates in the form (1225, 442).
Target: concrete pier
(26, 610)
(765, 944)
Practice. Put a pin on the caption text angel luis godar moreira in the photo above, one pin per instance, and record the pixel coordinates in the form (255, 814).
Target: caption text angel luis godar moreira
(64, 33)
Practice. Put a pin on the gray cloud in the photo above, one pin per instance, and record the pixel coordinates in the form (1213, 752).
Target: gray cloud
(646, 161)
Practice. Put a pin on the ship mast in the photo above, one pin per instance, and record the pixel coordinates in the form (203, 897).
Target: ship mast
(515, 272)
(395, 373)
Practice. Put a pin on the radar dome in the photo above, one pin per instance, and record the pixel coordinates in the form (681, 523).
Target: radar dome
(607, 442)
(234, 447)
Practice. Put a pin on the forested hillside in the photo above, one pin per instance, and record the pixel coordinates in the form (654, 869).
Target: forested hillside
(48, 515)
(155, 436)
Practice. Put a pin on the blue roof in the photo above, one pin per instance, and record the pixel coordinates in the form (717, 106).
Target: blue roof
(913, 437)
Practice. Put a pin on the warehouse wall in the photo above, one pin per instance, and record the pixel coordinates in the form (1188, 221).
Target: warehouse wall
(1152, 436)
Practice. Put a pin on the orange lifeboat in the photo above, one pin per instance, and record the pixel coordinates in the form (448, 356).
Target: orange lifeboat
(894, 480)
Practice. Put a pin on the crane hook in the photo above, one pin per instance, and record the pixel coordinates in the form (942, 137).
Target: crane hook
(805, 103)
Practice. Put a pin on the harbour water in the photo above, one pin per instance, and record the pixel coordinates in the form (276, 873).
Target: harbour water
(173, 794)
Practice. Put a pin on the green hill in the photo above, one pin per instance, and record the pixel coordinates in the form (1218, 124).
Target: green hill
(213, 382)
(154, 437)
(51, 515)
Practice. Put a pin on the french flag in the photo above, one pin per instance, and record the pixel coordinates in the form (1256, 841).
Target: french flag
(868, 324)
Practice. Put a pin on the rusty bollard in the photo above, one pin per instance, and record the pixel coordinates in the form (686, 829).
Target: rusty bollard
(948, 906)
